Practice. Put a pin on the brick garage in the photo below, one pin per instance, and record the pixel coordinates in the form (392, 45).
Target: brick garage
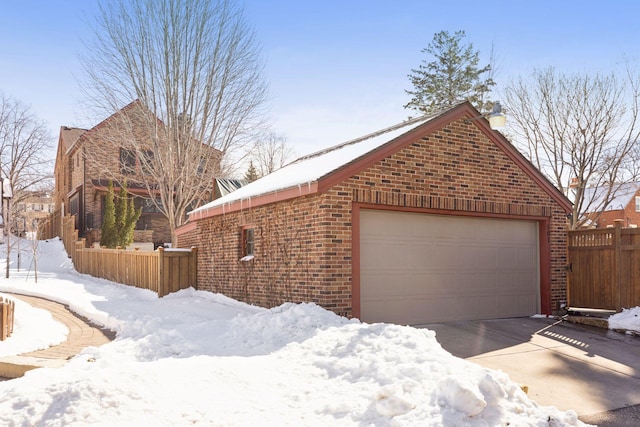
(308, 226)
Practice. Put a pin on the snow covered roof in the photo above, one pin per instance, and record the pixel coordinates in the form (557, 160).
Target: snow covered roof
(623, 195)
(309, 169)
(319, 171)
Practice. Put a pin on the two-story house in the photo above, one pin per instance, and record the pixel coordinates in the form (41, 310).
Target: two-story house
(88, 159)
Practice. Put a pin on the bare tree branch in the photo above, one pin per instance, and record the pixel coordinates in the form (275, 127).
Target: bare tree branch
(581, 131)
(24, 143)
(195, 67)
(270, 153)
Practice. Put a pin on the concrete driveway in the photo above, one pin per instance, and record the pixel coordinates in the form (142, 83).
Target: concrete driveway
(587, 369)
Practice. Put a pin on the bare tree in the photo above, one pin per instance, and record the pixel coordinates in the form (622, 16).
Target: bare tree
(581, 131)
(195, 68)
(25, 145)
(271, 153)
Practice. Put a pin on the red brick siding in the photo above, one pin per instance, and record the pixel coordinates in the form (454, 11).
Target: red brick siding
(303, 246)
(96, 156)
(294, 255)
(629, 216)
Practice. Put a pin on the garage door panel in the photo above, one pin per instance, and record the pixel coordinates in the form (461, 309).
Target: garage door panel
(507, 257)
(527, 258)
(387, 310)
(384, 285)
(418, 268)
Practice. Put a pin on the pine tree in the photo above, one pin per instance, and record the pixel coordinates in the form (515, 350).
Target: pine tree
(453, 77)
(121, 214)
(132, 217)
(108, 234)
(126, 217)
(120, 218)
(252, 173)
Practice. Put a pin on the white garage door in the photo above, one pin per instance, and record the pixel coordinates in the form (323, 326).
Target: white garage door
(417, 268)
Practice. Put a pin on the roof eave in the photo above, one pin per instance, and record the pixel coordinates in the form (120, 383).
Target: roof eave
(255, 201)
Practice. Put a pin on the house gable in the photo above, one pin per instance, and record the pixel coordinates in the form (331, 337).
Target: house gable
(464, 112)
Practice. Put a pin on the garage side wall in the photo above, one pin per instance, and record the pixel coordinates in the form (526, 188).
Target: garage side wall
(296, 258)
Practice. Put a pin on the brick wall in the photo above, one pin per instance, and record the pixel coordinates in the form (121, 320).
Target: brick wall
(628, 215)
(96, 156)
(303, 246)
(293, 255)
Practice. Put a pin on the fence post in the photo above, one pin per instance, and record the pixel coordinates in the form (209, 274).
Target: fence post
(193, 268)
(7, 308)
(4, 321)
(618, 263)
(79, 261)
(162, 277)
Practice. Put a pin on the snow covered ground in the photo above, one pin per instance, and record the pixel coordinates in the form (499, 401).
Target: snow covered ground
(628, 319)
(196, 358)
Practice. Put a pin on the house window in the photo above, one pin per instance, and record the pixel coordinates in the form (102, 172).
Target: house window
(248, 243)
(146, 161)
(147, 205)
(127, 161)
(637, 203)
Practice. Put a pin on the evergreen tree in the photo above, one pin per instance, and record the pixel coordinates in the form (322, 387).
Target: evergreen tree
(108, 235)
(120, 218)
(121, 214)
(126, 217)
(252, 173)
(451, 78)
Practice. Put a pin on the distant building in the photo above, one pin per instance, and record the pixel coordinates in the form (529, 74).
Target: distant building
(32, 207)
(625, 206)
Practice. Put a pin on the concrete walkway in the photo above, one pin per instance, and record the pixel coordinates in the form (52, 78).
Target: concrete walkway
(587, 369)
(81, 334)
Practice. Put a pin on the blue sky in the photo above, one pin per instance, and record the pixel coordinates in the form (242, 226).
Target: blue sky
(336, 69)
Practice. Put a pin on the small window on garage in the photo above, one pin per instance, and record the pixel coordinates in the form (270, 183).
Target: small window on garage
(637, 203)
(248, 243)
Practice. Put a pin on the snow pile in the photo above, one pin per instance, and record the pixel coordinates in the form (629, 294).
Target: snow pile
(196, 358)
(628, 319)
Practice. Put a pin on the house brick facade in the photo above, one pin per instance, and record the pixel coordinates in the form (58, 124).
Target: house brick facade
(628, 215)
(306, 247)
(88, 159)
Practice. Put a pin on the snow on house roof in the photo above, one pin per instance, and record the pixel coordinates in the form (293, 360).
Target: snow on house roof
(311, 168)
(623, 195)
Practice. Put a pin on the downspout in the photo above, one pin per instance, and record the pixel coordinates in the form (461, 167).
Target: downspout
(84, 192)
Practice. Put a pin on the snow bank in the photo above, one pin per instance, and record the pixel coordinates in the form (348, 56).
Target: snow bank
(196, 358)
(628, 319)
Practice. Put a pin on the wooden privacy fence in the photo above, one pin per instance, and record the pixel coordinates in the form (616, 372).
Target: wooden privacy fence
(604, 268)
(162, 271)
(7, 308)
(51, 226)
